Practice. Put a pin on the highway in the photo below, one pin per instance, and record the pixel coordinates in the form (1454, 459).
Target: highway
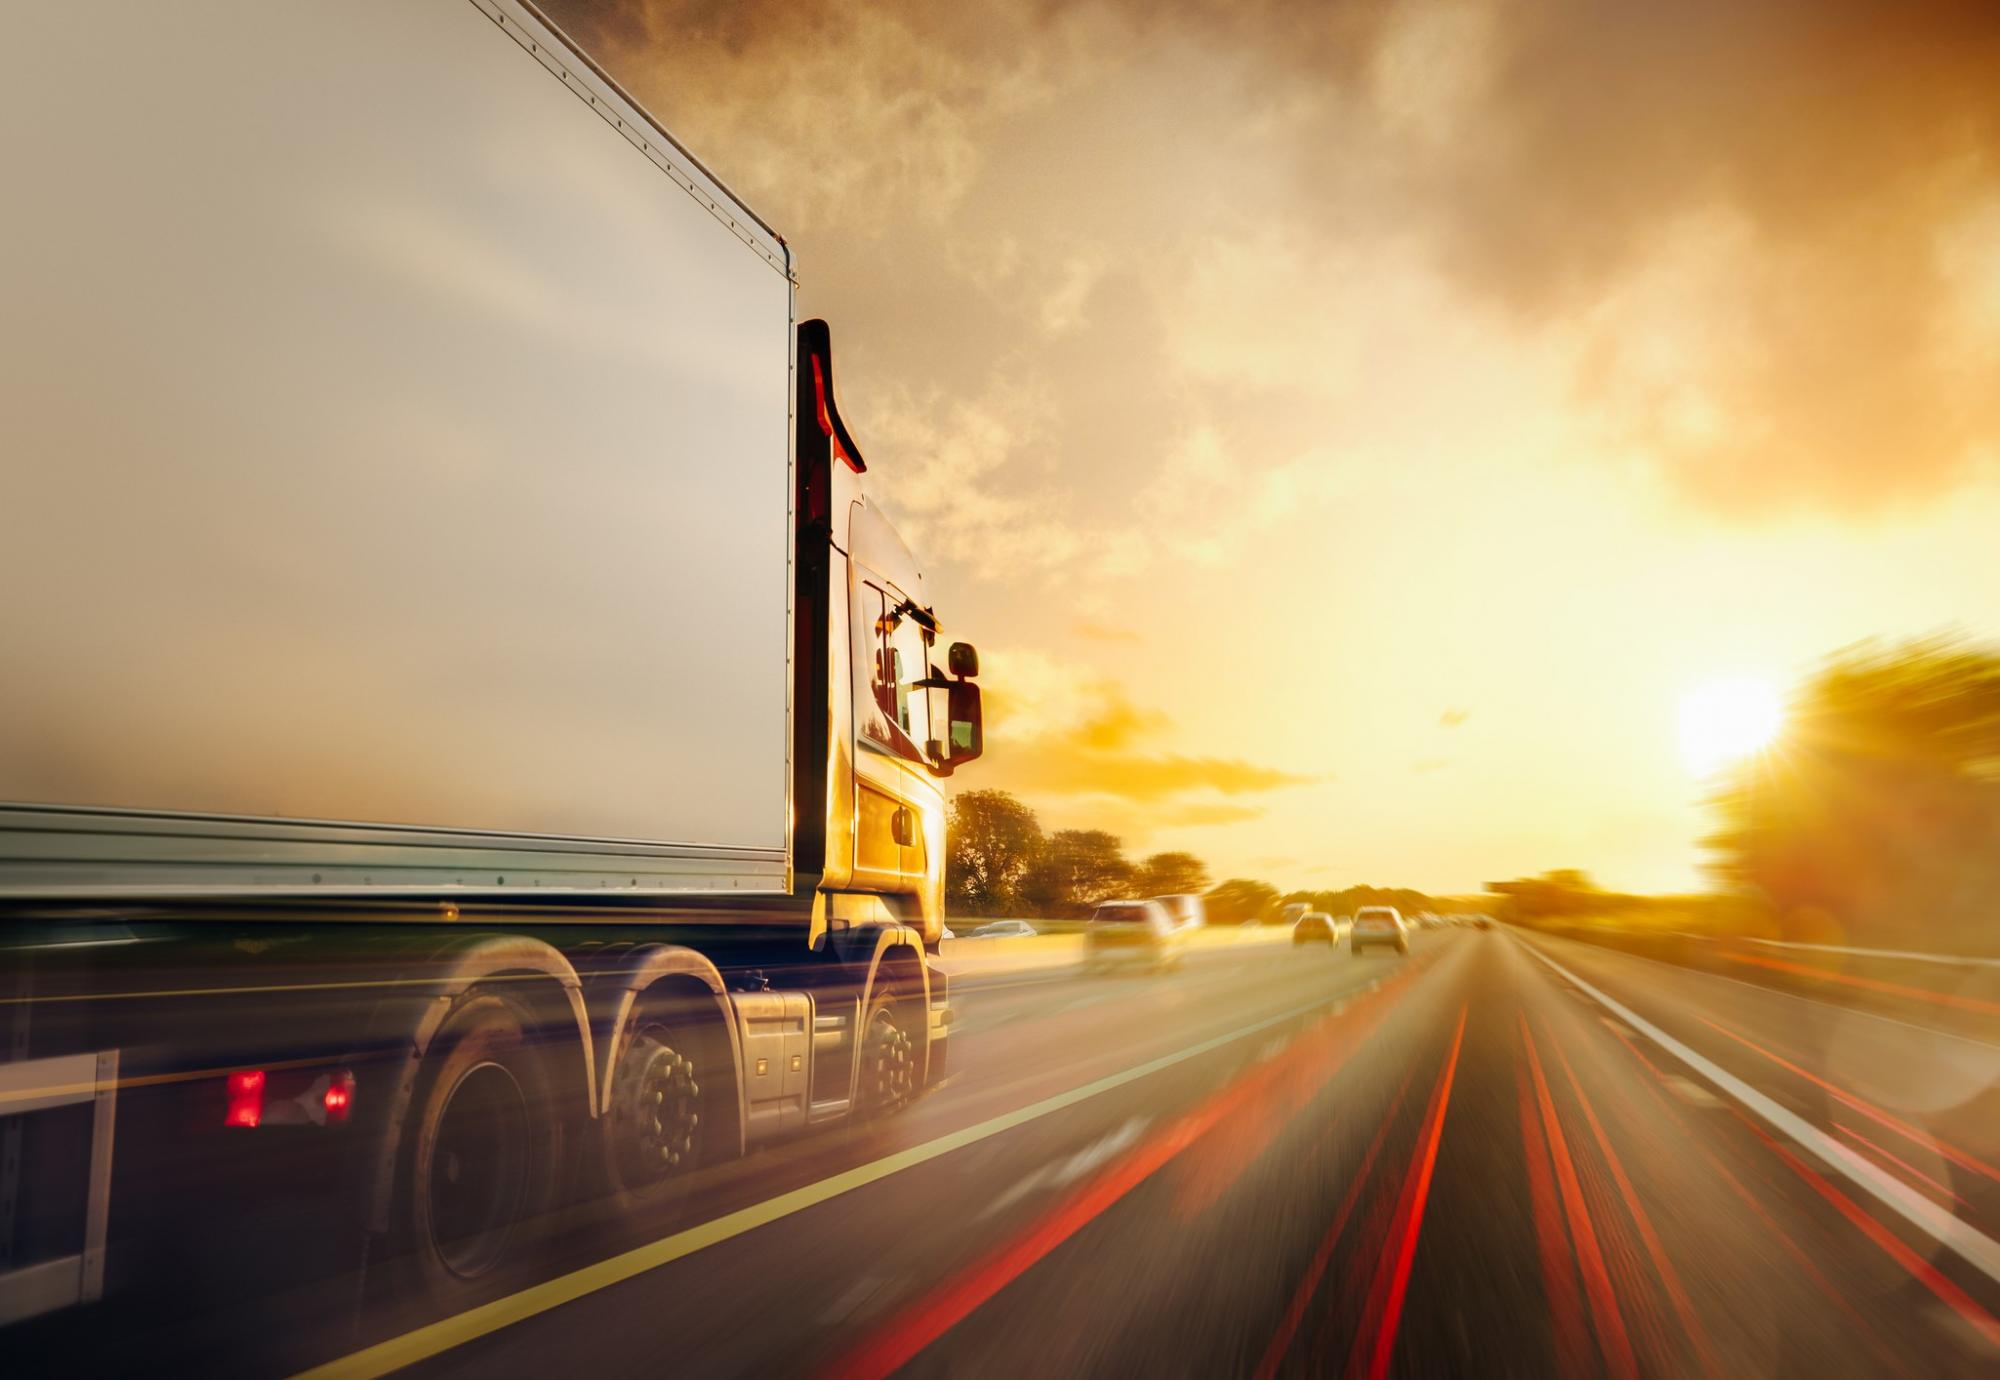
(1503, 1155)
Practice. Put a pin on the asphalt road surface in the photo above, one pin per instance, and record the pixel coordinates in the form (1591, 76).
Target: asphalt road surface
(1499, 1156)
(1502, 1155)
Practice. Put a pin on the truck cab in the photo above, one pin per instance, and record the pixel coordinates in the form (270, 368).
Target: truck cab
(904, 711)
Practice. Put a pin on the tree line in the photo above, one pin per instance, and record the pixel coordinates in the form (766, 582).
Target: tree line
(999, 861)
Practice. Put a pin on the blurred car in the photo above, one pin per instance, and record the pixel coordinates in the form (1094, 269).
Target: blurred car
(1482, 922)
(1121, 933)
(1379, 925)
(1186, 909)
(1316, 927)
(1005, 929)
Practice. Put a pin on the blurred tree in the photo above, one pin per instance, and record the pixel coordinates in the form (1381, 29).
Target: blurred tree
(991, 840)
(1876, 817)
(1169, 874)
(1562, 895)
(1240, 900)
(1077, 868)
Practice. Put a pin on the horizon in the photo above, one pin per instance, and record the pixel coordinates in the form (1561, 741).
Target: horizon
(1351, 445)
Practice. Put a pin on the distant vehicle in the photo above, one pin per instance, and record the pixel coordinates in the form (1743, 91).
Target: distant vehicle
(1379, 925)
(1292, 911)
(1005, 929)
(1122, 932)
(1317, 927)
(1186, 908)
(1482, 922)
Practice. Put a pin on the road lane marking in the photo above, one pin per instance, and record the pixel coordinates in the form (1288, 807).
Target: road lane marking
(1920, 1268)
(1662, 1264)
(1833, 1006)
(1972, 1245)
(1943, 1188)
(447, 1333)
(1914, 1134)
(955, 1298)
(1295, 1313)
(1605, 1316)
(1552, 1245)
(1066, 1170)
(1413, 1218)
(1891, 1357)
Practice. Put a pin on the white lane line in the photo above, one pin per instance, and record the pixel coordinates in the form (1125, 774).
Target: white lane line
(441, 1336)
(1064, 1171)
(1979, 1250)
(1834, 1006)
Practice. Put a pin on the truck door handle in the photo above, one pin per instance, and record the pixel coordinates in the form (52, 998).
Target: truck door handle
(903, 826)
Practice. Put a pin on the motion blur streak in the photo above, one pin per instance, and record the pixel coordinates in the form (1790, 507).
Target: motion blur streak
(1596, 1279)
(936, 1315)
(1921, 1269)
(1669, 1277)
(1309, 1285)
(472, 1324)
(1943, 1190)
(1894, 989)
(1257, 1111)
(1891, 1359)
(1959, 1157)
(1417, 1188)
(1552, 1246)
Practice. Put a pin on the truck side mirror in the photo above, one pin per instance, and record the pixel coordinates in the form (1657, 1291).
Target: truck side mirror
(968, 724)
(962, 661)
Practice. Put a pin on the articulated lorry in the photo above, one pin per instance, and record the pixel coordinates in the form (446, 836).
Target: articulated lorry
(468, 745)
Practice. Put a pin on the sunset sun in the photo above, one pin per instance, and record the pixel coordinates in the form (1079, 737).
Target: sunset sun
(1724, 721)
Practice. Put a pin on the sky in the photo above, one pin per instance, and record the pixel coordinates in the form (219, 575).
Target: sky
(1351, 431)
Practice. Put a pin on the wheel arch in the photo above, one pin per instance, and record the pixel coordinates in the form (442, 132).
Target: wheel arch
(528, 972)
(891, 953)
(615, 994)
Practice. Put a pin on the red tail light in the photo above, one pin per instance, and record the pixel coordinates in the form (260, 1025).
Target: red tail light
(246, 1098)
(338, 1099)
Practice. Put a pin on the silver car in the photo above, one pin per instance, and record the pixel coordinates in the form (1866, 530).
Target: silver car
(1316, 927)
(1119, 933)
(1383, 925)
(1005, 929)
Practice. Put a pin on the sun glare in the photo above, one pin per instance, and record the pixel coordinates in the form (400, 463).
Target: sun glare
(1725, 721)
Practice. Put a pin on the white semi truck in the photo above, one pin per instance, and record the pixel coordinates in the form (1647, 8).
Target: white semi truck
(468, 744)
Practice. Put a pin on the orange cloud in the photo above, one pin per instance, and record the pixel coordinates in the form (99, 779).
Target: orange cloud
(1103, 632)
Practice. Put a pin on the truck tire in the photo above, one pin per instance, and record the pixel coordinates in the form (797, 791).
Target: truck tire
(667, 1073)
(888, 1054)
(485, 1141)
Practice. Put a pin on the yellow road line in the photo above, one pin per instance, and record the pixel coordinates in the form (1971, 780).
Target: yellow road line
(443, 1335)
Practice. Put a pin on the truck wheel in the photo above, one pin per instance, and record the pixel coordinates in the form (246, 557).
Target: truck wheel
(888, 1056)
(483, 1154)
(664, 1075)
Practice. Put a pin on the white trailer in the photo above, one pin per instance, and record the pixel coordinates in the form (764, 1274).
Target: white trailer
(454, 691)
